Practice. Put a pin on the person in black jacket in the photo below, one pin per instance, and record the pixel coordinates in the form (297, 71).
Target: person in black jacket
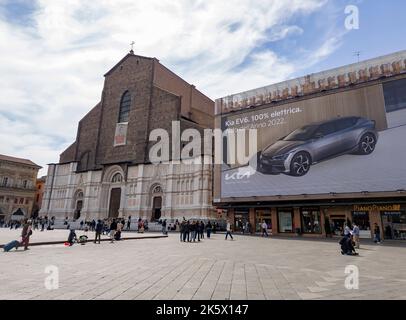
(186, 233)
(164, 231)
(182, 230)
(99, 230)
(346, 246)
(201, 230)
(72, 237)
(208, 229)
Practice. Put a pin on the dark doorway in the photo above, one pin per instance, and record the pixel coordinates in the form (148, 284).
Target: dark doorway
(79, 206)
(157, 205)
(115, 199)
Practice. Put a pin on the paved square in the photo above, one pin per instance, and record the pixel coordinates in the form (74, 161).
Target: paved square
(246, 268)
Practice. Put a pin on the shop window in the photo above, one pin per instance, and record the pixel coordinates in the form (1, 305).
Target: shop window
(361, 219)
(260, 217)
(285, 221)
(311, 222)
(241, 218)
(394, 225)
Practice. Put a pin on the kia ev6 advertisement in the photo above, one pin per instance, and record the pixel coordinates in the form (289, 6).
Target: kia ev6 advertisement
(340, 143)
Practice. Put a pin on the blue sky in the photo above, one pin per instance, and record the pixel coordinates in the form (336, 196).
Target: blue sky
(54, 53)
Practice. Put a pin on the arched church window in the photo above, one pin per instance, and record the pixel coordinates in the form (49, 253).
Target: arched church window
(117, 178)
(125, 105)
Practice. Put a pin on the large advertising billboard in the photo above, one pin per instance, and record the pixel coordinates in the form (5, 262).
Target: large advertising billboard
(346, 142)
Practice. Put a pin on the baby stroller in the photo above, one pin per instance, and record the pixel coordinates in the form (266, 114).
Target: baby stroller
(82, 240)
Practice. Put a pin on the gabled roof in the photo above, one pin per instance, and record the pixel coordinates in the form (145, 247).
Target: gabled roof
(18, 160)
(125, 58)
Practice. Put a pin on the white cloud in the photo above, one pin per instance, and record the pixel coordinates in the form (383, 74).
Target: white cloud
(52, 68)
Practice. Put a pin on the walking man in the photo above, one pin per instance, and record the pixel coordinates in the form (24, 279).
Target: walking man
(264, 227)
(129, 223)
(228, 231)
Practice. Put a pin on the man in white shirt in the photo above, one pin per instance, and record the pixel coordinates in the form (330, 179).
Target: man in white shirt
(355, 233)
(264, 227)
(228, 231)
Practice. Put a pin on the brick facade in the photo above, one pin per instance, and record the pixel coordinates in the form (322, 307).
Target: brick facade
(87, 167)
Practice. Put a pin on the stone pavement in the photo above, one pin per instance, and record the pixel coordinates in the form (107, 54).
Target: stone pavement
(246, 268)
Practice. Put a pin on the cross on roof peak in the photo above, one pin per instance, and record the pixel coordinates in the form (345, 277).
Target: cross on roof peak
(132, 47)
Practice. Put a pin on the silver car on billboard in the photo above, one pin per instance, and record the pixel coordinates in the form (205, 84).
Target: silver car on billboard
(312, 143)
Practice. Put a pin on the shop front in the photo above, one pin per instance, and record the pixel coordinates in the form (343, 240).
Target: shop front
(361, 219)
(261, 216)
(311, 220)
(285, 219)
(394, 225)
(324, 220)
(241, 218)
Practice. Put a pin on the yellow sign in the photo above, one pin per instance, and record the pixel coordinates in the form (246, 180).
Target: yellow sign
(374, 207)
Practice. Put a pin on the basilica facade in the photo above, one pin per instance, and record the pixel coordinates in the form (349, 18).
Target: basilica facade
(107, 173)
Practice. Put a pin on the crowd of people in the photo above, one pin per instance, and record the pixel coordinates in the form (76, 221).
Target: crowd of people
(39, 223)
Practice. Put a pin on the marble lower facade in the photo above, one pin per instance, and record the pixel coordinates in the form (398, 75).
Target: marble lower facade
(166, 191)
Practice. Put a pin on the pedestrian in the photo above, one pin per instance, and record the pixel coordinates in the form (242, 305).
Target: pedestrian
(93, 225)
(355, 234)
(129, 223)
(25, 234)
(140, 226)
(42, 224)
(164, 231)
(113, 228)
(193, 231)
(201, 229)
(264, 227)
(377, 234)
(208, 229)
(347, 230)
(186, 234)
(181, 230)
(98, 230)
(72, 237)
(228, 231)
